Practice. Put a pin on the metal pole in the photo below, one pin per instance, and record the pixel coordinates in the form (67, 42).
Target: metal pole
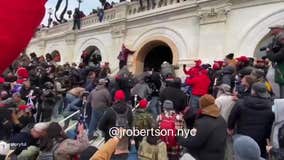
(79, 5)
(49, 20)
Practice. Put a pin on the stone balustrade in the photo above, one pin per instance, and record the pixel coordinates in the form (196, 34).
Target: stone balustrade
(134, 7)
(119, 12)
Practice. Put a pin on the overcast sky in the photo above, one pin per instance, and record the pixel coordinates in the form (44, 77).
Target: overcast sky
(86, 6)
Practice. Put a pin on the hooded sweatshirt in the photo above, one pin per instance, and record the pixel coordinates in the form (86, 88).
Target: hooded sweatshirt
(108, 120)
(245, 148)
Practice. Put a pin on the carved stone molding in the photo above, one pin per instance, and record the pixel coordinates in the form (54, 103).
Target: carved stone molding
(70, 38)
(214, 14)
(41, 44)
(118, 30)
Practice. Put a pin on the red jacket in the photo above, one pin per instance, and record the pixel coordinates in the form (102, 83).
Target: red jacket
(192, 71)
(200, 84)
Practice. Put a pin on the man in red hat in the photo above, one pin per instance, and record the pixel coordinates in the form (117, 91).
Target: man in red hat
(23, 117)
(243, 66)
(217, 65)
(193, 71)
(142, 120)
(119, 115)
(200, 86)
(217, 73)
(22, 75)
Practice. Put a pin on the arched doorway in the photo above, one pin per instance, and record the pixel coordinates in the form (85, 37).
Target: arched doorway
(92, 49)
(156, 56)
(91, 56)
(256, 34)
(153, 53)
(263, 43)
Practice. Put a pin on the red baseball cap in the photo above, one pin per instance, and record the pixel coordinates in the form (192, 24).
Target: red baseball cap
(198, 62)
(243, 59)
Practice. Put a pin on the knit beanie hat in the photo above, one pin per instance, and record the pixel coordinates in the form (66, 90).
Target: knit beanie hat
(230, 56)
(119, 95)
(143, 103)
(22, 73)
(168, 105)
(208, 106)
(243, 59)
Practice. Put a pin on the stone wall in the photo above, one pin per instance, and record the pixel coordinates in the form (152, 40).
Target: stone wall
(206, 29)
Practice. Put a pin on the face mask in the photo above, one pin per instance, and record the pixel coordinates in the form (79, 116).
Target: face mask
(273, 108)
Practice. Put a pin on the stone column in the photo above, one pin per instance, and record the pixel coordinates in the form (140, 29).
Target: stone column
(70, 56)
(118, 32)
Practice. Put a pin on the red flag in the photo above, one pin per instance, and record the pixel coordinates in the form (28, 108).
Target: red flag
(19, 20)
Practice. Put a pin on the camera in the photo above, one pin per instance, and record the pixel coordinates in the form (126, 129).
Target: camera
(275, 47)
(263, 49)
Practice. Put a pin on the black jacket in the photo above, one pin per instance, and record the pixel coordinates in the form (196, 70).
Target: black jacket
(176, 96)
(253, 117)
(109, 118)
(228, 75)
(210, 140)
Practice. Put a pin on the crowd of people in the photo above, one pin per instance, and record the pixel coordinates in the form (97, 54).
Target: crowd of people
(232, 107)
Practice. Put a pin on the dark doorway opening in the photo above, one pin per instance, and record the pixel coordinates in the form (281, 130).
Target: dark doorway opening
(156, 56)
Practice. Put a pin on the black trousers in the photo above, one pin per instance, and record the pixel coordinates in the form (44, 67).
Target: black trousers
(121, 64)
(77, 23)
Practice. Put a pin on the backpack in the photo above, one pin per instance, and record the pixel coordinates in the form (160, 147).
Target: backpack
(168, 123)
(142, 120)
(121, 119)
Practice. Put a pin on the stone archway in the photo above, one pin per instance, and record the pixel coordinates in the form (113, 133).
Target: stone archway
(91, 55)
(159, 53)
(152, 51)
(263, 43)
(83, 45)
(257, 33)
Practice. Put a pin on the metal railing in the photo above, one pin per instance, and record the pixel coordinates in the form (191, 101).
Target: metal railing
(96, 143)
